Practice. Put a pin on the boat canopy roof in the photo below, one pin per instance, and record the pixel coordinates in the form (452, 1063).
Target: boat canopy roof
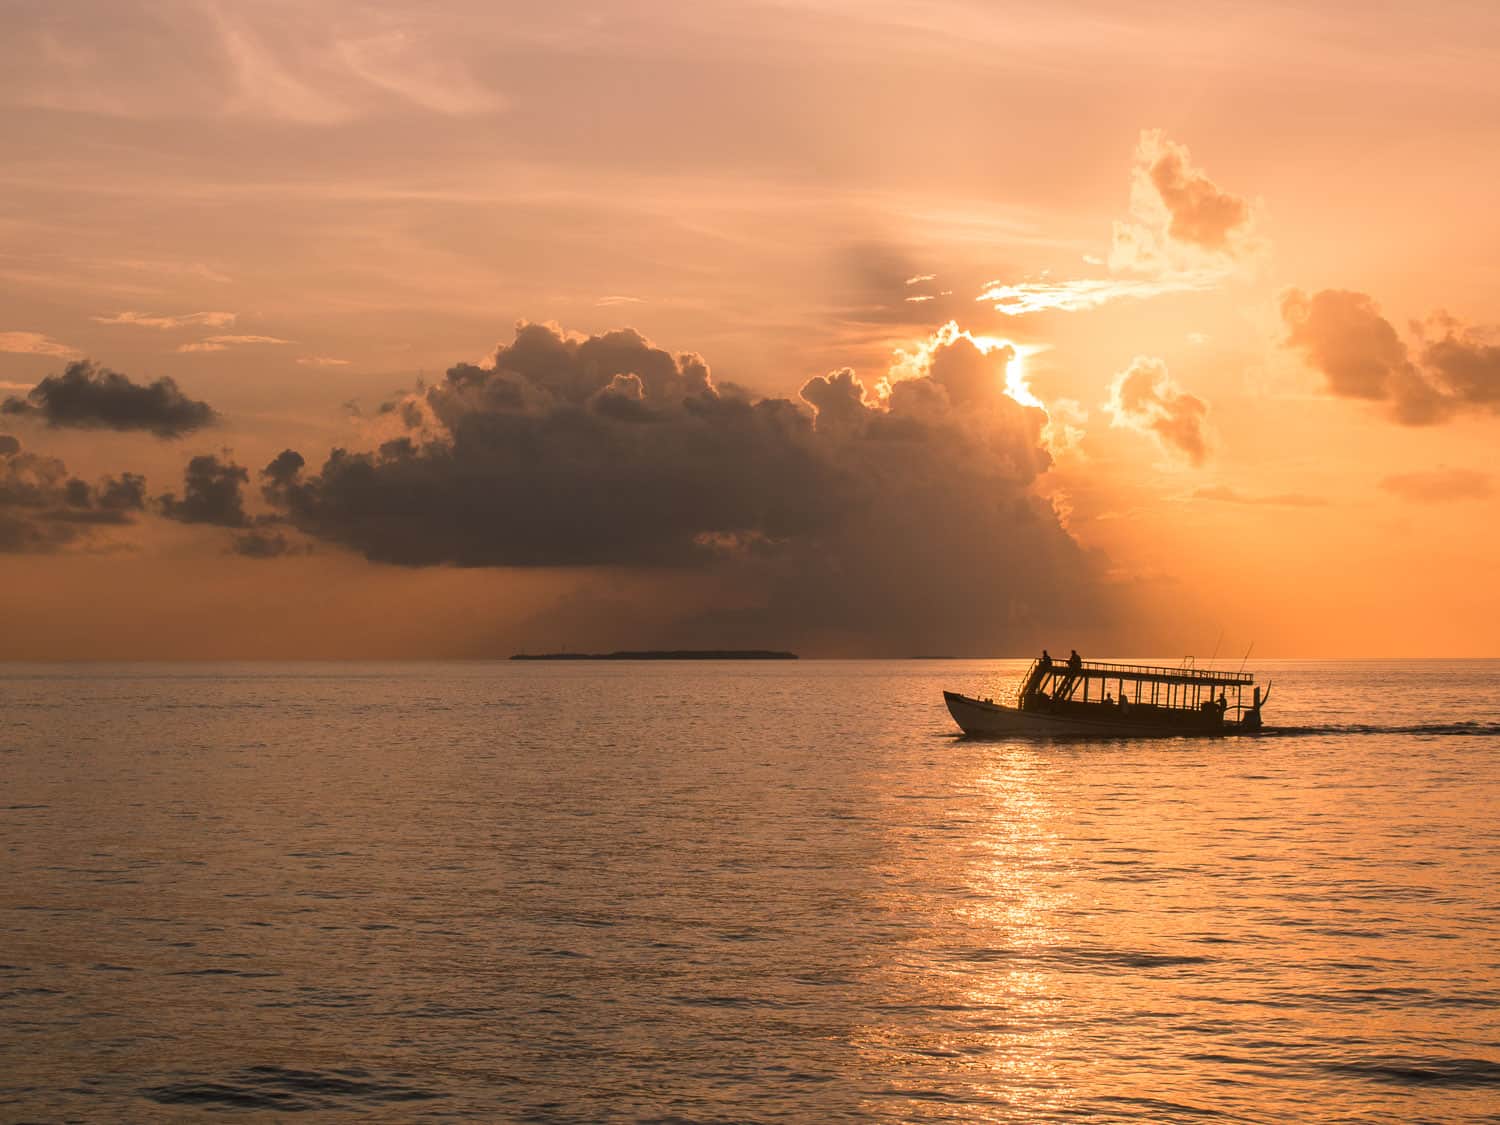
(1146, 673)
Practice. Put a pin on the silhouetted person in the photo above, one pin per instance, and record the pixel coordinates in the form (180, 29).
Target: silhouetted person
(1046, 661)
(1075, 662)
(1223, 703)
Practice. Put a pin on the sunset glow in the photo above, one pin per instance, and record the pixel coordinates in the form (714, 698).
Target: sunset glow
(234, 231)
(834, 561)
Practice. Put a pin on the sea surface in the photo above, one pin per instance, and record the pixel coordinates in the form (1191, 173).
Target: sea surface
(738, 892)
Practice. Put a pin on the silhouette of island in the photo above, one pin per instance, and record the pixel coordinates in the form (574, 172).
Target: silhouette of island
(665, 654)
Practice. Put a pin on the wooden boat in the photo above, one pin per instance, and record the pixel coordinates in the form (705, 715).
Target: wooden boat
(1092, 699)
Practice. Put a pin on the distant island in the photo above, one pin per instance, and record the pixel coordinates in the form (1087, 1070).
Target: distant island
(664, 654)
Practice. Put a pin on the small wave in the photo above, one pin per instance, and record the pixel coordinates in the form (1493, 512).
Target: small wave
(286, 1091)
(1474, 729)
(1160, 1109)
(1421, 1070)
(1085, 957)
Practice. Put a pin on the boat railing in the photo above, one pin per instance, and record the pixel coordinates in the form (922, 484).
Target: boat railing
(1106, 670)
(1099, 669)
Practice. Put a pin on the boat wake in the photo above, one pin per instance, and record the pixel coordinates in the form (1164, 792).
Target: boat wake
(1430, 730)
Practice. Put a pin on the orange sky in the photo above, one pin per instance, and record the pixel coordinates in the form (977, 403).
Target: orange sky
(1243, 255)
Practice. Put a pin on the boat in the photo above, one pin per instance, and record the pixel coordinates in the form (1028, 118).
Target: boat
(1093, 699)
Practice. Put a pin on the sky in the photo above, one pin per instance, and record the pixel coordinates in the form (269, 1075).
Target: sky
(370, 329)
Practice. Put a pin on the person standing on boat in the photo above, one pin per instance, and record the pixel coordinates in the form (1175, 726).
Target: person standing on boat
(1075, 662)
(1046, 661)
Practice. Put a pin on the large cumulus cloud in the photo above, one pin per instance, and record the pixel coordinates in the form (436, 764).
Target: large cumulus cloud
(87, 396)
(898, 519)
(44, 509)
(1342, 334)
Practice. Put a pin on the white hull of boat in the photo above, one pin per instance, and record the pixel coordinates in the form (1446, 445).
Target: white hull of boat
(981, 717)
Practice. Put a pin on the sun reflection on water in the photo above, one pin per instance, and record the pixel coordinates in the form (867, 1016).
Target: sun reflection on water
(974, 1001)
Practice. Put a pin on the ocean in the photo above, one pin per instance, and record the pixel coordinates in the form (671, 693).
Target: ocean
(713, 892)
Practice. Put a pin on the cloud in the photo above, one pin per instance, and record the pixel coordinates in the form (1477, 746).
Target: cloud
(1144, 397)
(1440, 486)
(1227, 495)
(187, 320)
(44, 510)
(34, 343)
(211, 494)
(224, 343)
(208, 58)
(86, 396)
(1342, 334)
(843, 518)
(321, 361)
(1184, 235)
(1180, 220)
(265, 543)
(1200, 212)
(1464, 366)
(1086, 293)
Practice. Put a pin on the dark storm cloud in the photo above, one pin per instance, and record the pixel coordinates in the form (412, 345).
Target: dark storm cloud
(906, 525)
(87, 396)
(1342, 334)
(43, 509)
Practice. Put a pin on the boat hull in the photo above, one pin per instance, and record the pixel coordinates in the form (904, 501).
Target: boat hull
(981, 718)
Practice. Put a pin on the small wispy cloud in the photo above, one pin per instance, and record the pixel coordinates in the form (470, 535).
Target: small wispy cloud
(1226, 495)
(404, 65)
(920, 298)
(1087, 293)
(321, 361)
(316, 65)
(224, 343)
(618, 299)
(35, 343)
(917, 279)
(1440, 486)
(186, 320)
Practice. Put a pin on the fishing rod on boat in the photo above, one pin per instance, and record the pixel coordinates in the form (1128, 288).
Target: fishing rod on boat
(1217, 643)
(1248, 651)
